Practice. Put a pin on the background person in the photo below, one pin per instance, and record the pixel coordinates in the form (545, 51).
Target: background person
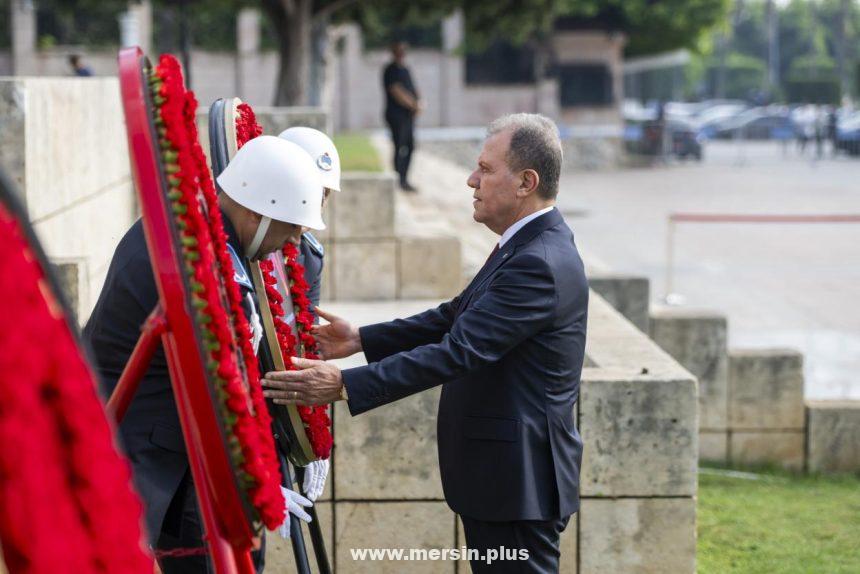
(402, 104)
(78, 68)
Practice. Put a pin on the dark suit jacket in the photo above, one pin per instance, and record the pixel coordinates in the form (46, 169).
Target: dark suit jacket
(509, 352)
(150, 432)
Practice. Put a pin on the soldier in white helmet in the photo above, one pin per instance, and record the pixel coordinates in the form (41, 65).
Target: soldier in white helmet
(272, 192)
(324, 155)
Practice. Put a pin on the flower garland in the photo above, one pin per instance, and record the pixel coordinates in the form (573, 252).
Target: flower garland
(316, 419)
(217, 303)
(65, 492)
(247, 127)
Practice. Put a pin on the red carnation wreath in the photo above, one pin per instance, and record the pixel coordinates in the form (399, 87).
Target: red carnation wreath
(231, 364)
(316, 419)
(65, 493)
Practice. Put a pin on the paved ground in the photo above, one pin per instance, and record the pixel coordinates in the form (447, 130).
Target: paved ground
(792, 285)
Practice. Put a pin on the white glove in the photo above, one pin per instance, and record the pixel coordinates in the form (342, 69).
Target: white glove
(256, 325)
(296, 504)
(315, 475)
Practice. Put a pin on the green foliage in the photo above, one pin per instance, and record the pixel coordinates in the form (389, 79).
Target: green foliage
(783, 523)
(417, 22)
(813, 90)
(357, 152)
(77, 22)
(650, 26)
(744, 75)
(812, 66)
(662, 26)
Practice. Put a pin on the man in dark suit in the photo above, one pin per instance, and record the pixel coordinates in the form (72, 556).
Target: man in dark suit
(508, 351)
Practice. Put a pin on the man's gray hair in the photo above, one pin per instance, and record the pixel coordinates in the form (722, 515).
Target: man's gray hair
(535, 144)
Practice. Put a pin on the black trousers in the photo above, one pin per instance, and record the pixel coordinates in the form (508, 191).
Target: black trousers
(183, 528)
(509, 539)
(402, 136)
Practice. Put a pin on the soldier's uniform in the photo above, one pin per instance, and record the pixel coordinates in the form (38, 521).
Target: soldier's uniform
(150, 432)
(311, 255)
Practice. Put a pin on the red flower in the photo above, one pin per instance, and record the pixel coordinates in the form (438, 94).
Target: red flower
(58, 462)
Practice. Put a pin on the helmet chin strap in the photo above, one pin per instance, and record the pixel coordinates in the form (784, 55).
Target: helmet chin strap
(262, 229)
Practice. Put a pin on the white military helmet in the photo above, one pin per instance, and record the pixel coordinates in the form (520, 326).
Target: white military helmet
(276, 179)
(321, 149)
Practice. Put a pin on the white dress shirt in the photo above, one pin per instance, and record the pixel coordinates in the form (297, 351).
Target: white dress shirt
(512, 230)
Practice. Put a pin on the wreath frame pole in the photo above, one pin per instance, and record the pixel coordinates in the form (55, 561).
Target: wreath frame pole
(150, 338)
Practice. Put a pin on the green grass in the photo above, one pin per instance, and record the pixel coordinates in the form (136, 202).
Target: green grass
(779, 524)
(357, 153)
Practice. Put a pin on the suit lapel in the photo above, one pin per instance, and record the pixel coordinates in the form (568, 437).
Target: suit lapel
(521, 237)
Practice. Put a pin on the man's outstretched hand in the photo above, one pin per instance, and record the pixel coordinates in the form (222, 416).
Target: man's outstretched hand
(338, 339)
(314, 383)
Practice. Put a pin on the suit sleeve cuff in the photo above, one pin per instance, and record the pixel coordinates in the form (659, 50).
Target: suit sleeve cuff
(364, 394)
(371, 339)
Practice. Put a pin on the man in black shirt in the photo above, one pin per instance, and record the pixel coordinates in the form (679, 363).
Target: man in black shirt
(402, 104)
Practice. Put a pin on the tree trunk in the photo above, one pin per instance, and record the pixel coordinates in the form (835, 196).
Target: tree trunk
(292, 20)
(319, 60)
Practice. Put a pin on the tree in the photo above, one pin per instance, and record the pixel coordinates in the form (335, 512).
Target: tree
(300, 26)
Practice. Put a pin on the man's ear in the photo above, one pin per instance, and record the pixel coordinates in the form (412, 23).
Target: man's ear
(529, 182)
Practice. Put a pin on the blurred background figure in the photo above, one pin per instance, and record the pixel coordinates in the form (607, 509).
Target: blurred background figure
(78, 68)
(402, 104)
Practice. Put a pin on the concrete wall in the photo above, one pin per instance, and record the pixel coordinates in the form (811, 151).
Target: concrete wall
(64, 144)
(833, 436)
(751, 403)
(698, 340)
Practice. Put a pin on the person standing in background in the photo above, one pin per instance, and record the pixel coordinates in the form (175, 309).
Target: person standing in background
(402, 104)
(78, 69)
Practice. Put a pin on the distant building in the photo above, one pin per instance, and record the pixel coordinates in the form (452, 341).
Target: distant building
(578, 81)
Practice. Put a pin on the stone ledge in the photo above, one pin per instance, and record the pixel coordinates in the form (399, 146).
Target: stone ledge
(833, 436)
(390, 452)
(637, 536)
(628, 294)
(765, 389)
(393, 525)
(785, 449)
(640, 435)
(697, 339)
(279, 552)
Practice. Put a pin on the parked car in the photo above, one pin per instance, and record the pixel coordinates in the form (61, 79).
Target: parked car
(644, 138)
(848, 135)
(686, 140)
(757, 124)
(708, 120)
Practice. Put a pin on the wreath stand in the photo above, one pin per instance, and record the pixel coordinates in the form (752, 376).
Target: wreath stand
(293, 446)
(229, 533)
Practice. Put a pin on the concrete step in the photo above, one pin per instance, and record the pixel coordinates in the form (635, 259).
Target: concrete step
(378, 248)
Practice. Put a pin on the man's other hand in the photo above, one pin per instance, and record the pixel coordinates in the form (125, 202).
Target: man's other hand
(314, 383)
(338, 339)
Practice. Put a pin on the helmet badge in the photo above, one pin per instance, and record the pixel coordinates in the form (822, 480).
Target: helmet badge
(324, 162)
